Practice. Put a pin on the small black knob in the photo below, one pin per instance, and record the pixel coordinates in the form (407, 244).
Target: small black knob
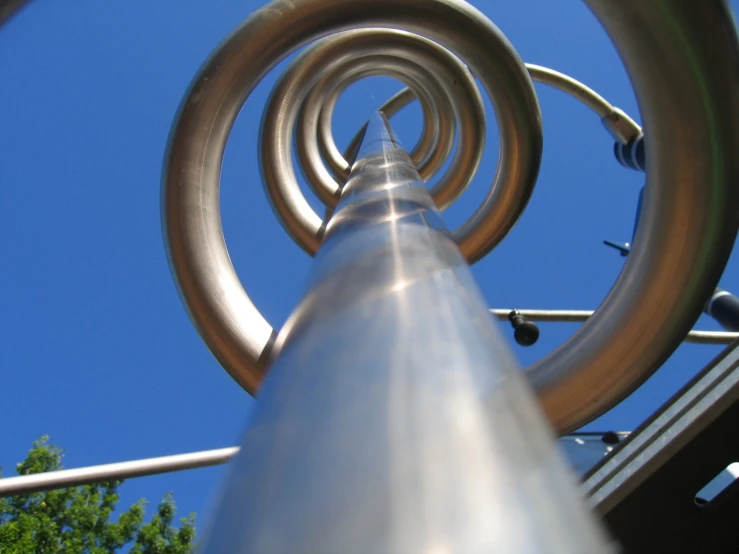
(525, 332)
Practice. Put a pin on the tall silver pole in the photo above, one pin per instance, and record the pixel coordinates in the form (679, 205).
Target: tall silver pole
(393, 418)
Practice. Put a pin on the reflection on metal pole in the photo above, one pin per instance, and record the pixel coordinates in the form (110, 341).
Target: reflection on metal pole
(393, 418)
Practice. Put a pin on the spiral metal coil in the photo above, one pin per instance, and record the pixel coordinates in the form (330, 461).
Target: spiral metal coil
(681, 57)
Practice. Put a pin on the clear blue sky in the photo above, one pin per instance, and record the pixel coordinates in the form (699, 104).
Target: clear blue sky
(96, 349)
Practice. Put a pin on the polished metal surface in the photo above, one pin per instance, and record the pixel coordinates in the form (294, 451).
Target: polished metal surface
(578, 316)
(618, 123)
(682, 59)
(448, 94)
(621, 126)
(451, 100)
(308, 91)
(443, 444)
(393, 418)
(27, 484)
(230, 324)
(710, 337)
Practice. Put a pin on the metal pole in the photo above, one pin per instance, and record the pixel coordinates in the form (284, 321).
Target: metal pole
(26, 484)
(393, 418)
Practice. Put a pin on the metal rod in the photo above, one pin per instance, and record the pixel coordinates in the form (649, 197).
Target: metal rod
(577, 316)
(393, 418)
(711, 337)
(26, 484)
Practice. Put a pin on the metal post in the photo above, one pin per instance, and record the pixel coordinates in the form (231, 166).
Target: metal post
(393, 418)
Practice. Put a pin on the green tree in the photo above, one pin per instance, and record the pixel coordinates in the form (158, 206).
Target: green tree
(78, 520)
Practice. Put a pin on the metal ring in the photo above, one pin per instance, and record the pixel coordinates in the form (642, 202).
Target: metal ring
(454, 97)
(350, 56)
(340, 166)
(619, 124)
(229, 323)
(681, 58)
(316, 114)
(317, 111)
(389, 48)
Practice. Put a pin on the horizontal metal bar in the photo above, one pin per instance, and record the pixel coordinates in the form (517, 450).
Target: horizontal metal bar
(711, 337)
(577, 316)
(39, 482)
(64, 478)
(545, 315)
(27, 484)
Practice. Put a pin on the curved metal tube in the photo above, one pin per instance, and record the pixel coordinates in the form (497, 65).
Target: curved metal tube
(374, 408)
(571, 86)
(221, 310)
(331, 65)
(682, 59)
(686, 82)
(391, 50)
(440, 102)
(619, 124)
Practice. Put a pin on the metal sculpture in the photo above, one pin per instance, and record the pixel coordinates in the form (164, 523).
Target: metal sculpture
(391, 404)
(684, 223)
(617, 348)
